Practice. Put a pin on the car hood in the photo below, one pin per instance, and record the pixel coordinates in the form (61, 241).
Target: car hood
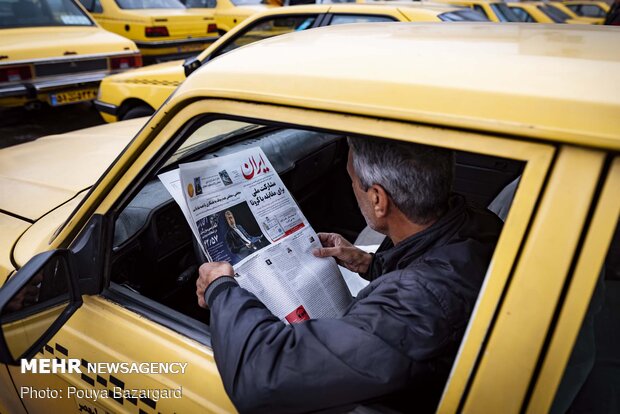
(52, 42)
(39, 176)
(166, 71)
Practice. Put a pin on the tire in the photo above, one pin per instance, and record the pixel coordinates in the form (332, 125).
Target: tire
(137, 112)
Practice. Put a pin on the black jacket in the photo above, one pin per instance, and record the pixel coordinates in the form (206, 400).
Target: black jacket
(397, 341)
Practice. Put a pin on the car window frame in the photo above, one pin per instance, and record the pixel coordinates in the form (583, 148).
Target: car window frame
(514, 345)
(581, 286)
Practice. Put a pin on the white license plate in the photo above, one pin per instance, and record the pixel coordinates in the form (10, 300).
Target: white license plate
(67, 97)
(190, 48)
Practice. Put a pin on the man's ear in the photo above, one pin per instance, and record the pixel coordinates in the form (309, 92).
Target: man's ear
(379, 200)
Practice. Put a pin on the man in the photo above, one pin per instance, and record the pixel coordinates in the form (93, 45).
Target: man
(397, 341)
(237, 239)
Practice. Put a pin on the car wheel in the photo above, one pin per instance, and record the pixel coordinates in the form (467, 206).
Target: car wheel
(137, 112)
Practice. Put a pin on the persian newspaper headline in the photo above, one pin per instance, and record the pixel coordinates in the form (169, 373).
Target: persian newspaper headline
(241, 212)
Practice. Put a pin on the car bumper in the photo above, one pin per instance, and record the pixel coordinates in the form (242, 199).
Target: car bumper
(34, 88)
(162, 44)
(105, 107)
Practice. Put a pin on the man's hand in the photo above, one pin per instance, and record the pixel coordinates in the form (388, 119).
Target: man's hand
(346, 254)
(207, 273)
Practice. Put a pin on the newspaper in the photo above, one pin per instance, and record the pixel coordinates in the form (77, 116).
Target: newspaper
(241, 212)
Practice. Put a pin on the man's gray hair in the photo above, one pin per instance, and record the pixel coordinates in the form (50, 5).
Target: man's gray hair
(418, 178)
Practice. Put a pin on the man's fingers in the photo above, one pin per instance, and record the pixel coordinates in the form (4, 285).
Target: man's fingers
(326, 239)
(327, 252)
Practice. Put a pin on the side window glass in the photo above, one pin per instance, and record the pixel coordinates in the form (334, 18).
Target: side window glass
(268, 28)
(98, 8)
(353, 18)
(200, 4)
(591, 10)
(593, 369)
(523, 15)
(88, 4)
(480, 9)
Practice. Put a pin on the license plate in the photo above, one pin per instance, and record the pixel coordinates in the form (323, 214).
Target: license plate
(190, 48)
(79, 95)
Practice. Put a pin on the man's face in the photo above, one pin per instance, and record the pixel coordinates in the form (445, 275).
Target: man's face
(360, 195)
(230, 219)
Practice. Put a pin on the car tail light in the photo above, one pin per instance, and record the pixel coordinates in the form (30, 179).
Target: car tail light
(156, 31)
(125, 62)
(211, 28)
(15, 73)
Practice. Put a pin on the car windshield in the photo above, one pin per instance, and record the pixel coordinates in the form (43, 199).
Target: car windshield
(554, 14)
(504, 13)
(149, 4)
(40, 13)
(248, 2)
(465, 15)
(219, 130)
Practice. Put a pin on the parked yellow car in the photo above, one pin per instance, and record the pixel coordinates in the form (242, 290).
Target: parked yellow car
(584, 8)
(569, 12)
(542, 12)
(229, 13)
(53, 52)
(109, 264)
(141, 92)
(495, 10)
(162, 29)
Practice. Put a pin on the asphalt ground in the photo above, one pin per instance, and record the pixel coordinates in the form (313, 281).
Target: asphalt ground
(19, 125)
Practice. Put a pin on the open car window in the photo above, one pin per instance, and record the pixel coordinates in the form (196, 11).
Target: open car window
(156, 255)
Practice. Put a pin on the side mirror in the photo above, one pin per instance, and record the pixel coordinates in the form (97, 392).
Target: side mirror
(190, 65)
(35, 303)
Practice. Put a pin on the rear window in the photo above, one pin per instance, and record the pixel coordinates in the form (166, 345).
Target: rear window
(359, 18)
(149, 4)
(465, 15)
(504, 13)
(41, 13)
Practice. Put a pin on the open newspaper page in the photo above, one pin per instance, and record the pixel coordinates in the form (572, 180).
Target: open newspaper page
(242, 213)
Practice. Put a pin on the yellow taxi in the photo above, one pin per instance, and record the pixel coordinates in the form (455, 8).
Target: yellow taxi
(162, 29)
(100, 272)
(573, 15)
(584, 8)
(53, 52)
(542, 12)
(496, 11)
(140, 93)
(229, 13)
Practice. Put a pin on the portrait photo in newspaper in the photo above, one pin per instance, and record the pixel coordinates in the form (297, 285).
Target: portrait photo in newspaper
(232, 235)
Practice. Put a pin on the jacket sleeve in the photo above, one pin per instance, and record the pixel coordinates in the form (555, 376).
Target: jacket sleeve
(268, 366)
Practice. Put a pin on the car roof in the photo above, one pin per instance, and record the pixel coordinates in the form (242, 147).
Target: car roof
(470, 1)
(380, 7)
(550, 82)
